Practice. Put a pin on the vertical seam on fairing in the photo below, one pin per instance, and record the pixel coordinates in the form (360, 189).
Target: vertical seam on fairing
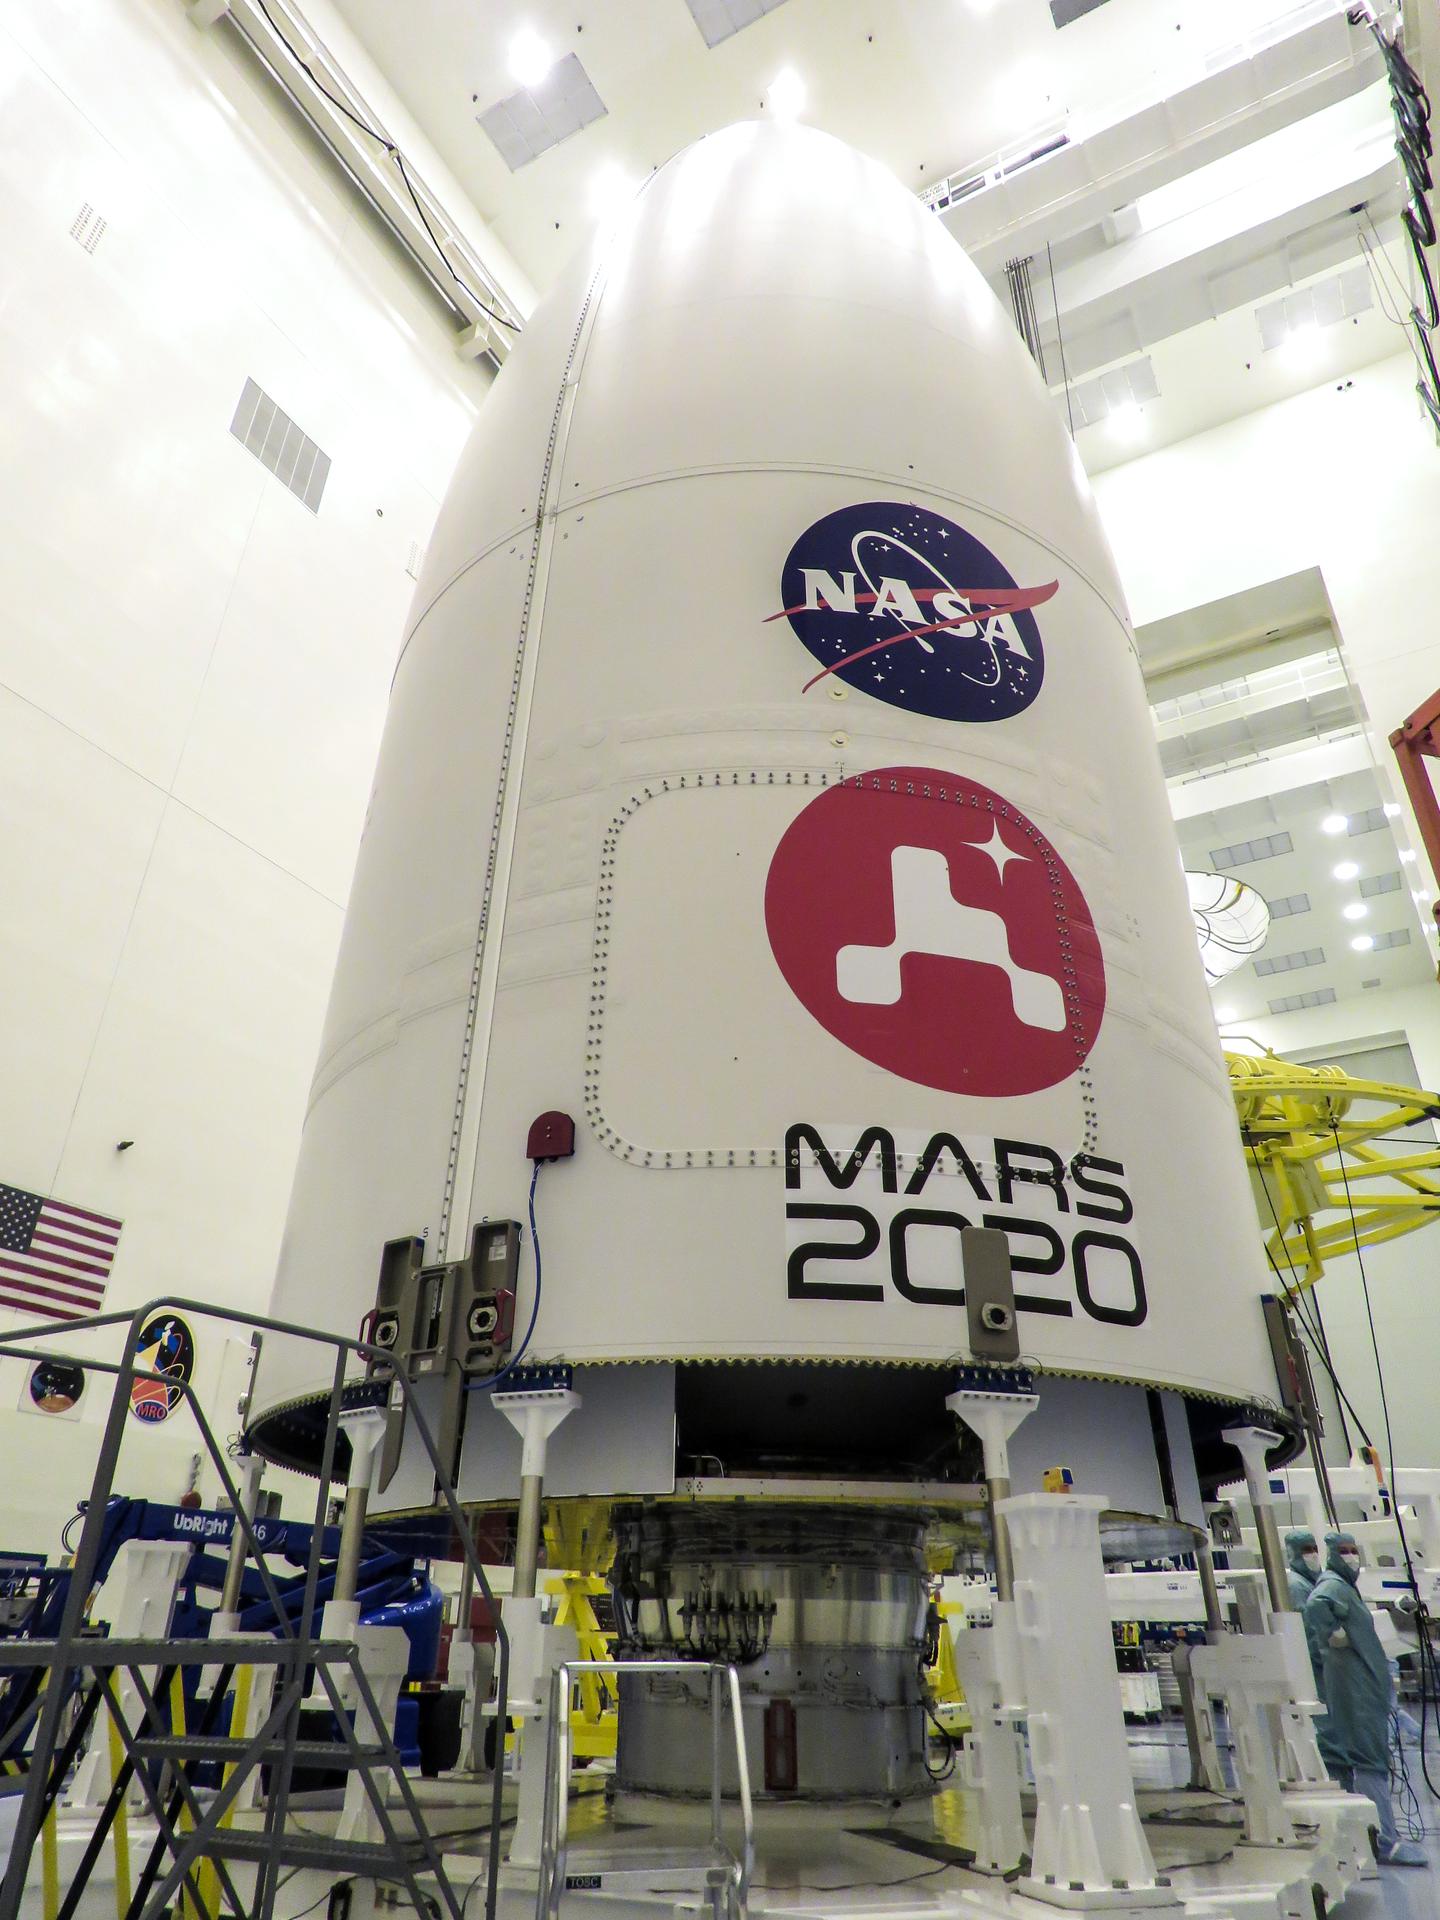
(465, 1116)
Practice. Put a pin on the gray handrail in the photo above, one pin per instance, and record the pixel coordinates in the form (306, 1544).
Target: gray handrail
(555, 1820)
(20, 1342)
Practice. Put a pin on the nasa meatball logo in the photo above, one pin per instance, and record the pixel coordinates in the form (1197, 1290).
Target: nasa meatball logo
(932, 928)
(902, 604)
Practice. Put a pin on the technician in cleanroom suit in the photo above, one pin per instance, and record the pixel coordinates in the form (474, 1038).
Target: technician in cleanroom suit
(1356, 1691)
(1302, 1557)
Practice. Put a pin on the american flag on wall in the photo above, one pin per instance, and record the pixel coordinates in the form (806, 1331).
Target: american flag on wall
(54, 1258)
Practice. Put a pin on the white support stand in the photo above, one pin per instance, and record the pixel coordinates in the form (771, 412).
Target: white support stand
(340, 1618)
(1089, 1849)
(987, 1660)
(472, 1667)
(384, 1653)
(536, 1647)
(138, 1600)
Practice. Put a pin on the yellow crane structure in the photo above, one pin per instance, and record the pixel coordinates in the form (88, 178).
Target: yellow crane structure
(1322, 1184)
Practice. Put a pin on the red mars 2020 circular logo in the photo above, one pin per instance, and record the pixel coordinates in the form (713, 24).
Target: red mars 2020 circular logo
(931, 927)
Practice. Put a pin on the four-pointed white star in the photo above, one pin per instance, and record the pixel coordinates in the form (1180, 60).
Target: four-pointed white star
(997, 850)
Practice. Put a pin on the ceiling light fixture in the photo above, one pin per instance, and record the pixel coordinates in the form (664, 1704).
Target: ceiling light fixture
(1356, 910)
(1127, 421)
(1407, 854)
(1392, 810)
(1224, 1015)
(1363, 942)
(531, 58)
(1303, 343)
(785, 96)
(610, 188)
(1346, 870)
(1334, 823)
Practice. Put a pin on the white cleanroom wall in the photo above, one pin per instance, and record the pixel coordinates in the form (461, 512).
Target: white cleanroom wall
(194, 666)
(1346, 479)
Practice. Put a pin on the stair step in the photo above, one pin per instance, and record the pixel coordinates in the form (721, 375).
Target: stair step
(616, 1869)
(225, 1747)
(303, 1850)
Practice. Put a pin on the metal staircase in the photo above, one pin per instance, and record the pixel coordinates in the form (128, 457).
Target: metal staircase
(77, 1670)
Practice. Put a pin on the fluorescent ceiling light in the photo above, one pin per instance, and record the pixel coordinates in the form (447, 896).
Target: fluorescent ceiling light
(1334, 823)
(1392, 810)
(1346, 870)
(1303, 343)
(1363, 942)
(1127, 421)
(531, 58)
(1224, 1015)
(1407, 854)
(1356, 910)
(785, 96)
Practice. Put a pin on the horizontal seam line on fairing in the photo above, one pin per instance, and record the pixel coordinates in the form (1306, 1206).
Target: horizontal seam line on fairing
(663, 475)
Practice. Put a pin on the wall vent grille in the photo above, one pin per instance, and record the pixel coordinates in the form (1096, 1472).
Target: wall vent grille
(1288, 962)
(1287, 904)
(1398, 937)
(1244, 851)
(528, 123)
(718, 19)
(87, 229)
(1370, 821)
(416, 560)
(277, 443)
(1296, 1002)
(1380, 883)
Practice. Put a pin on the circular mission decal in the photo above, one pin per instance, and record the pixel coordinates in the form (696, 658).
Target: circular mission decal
(932, 928)
(907, 606)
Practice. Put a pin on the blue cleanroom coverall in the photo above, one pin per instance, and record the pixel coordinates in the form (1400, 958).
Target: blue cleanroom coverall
(1356, 1687)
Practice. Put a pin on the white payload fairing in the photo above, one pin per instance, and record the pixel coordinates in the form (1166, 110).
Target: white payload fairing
(769, 785)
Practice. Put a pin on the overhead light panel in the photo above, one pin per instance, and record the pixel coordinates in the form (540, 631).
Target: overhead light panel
(1356, 910)
(1346, 870)
(1297, 319)
(1334, 823)
(718, 19)
(529, 123)
(1120, 392)
(531, 57)
(1363, 942)
(785, 95)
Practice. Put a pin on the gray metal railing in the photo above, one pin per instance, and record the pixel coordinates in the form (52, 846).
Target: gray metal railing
(299, 1650)
(737, 1868)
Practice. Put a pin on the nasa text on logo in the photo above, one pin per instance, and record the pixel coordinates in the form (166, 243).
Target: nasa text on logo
(905, 605)
(931, 927)
(164, 1347)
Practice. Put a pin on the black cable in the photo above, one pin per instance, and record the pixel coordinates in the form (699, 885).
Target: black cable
(1422, 1617)
(395, 154)
(1060, 336)
(511, 1364)
(1294, 1297)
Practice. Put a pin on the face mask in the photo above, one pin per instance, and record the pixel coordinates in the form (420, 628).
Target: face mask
(1351, 1560)
(1312, 1562)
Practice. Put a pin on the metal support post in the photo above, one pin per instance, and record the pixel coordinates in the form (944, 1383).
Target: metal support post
(1252, 1443)
(235, 1566)
(993, 1402)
